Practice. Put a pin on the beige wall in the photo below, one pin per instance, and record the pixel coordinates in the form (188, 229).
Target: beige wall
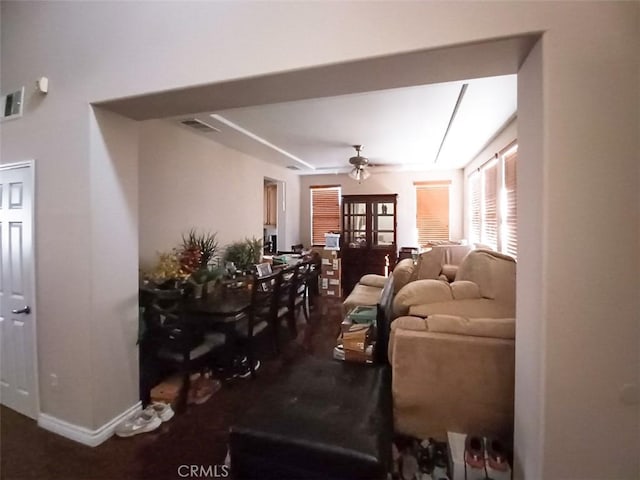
(582, 176)
(114, 193)
(187, 180)
(396, 182)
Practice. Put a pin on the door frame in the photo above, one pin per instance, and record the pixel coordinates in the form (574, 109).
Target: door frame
(31, 166)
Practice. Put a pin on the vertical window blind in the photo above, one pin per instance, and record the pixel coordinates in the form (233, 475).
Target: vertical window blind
(510, 243)
(432, 211)
(325, 212)
(493, 204)
(476, 206)
(490, 205)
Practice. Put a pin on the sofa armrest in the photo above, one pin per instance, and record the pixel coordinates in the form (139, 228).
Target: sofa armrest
(464, 289)
(373, 280)
(451, 382)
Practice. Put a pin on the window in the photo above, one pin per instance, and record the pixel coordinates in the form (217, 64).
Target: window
(510, 211)
(493, 203)
(325, 212)
(432, 211)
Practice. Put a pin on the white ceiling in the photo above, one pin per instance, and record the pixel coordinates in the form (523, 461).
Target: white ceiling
(401, 128)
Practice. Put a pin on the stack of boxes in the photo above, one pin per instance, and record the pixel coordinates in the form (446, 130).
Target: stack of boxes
(330, 274)
(356, 341)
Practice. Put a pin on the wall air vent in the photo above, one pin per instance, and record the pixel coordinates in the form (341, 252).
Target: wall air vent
(199, 125)
(293, 167)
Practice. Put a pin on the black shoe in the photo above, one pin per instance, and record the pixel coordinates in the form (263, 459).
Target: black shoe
(245, 371)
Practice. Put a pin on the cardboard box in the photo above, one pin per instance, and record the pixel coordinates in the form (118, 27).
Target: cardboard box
(331, 292)
(340, 353)
(168, 390)
(327, 254)
(330, 284)
(330, 264)
(356, 337)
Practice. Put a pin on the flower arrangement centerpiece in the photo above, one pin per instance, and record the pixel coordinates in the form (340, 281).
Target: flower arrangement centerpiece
(198, 257)
(168, 271)
(192, 262)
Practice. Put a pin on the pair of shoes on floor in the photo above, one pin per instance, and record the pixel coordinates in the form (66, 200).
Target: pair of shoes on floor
(202, 388)
(244, 371)
(489, 453)
(145, 420)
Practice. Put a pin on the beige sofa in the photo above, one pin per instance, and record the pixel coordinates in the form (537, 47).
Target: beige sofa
(452, 350)
(435, 262)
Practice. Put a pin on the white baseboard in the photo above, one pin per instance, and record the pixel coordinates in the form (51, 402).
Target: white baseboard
(83, 435)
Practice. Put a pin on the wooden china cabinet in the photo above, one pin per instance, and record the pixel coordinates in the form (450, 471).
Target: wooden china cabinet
(368, 236)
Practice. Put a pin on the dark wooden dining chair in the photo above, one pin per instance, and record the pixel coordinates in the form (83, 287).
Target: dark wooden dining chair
(175, 341)
(312, 280)
(299, 296)
(282, 311)
(258, 318)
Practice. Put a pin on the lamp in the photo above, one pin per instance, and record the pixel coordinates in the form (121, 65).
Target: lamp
(359, 163)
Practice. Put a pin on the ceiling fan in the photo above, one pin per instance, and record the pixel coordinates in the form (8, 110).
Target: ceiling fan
(359, 171)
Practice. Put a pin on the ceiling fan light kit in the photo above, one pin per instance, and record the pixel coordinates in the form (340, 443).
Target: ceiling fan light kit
(359, 163)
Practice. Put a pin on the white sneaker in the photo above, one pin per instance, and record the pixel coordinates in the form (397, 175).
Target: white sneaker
(163, 410)
(141, 422)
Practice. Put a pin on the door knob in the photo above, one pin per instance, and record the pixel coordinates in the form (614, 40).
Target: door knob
(26, 310)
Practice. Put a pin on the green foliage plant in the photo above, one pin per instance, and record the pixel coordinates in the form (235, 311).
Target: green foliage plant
(244, 253)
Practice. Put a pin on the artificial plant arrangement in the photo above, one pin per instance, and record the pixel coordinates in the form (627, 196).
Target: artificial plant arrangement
(193, 261)
(168, 268)
(244, 253)
(198, 250)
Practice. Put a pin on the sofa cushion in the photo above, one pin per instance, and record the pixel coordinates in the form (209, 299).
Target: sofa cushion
(449, 271)
(476, 327)
(373, 280)
(472, 307)
(429, 265)
(492, 271)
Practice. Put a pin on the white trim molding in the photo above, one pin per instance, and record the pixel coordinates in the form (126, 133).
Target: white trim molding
(91, 438)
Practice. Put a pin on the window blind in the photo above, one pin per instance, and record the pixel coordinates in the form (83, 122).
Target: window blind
(490, 205)
(476, 209)
(325, 212)
(511, 207)
(432, 211)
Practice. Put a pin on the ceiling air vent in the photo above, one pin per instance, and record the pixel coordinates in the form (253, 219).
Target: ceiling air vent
(293, 167)
(199, 125)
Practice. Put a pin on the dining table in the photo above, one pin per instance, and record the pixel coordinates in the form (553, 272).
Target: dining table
(223, 313)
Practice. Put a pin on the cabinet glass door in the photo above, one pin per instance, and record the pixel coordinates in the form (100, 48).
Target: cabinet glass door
(355, 224)
(383, 224)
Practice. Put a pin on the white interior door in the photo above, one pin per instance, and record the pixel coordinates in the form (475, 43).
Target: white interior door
(18, 366)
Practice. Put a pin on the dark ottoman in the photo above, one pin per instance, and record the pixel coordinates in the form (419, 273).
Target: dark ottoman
(324, 420)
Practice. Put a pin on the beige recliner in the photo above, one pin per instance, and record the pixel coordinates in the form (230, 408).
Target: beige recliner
(452, 351)
(436, 261)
